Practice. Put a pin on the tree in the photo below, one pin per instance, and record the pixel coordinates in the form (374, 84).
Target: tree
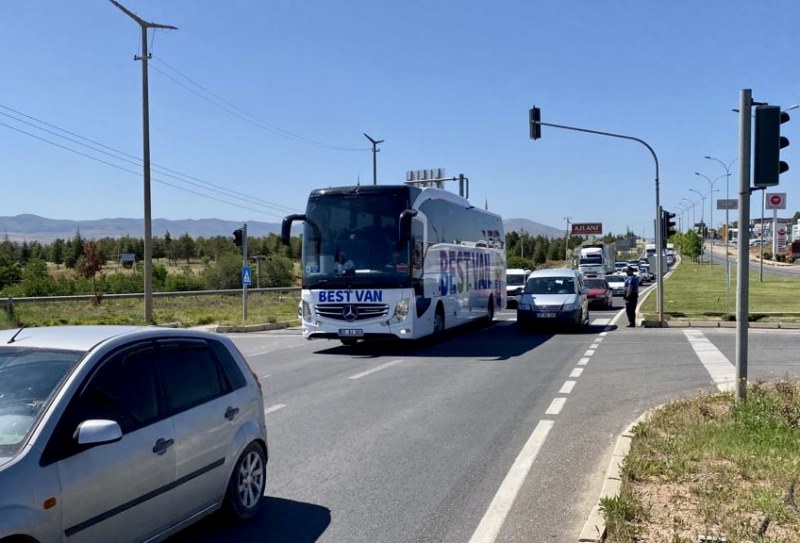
(10, 272)
(225, 273)
(90, 265)
(278, 272)
(184, 247)
(690, 244)
(74, 250)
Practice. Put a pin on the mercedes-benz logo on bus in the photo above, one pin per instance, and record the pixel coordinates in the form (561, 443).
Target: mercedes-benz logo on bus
(350, 313)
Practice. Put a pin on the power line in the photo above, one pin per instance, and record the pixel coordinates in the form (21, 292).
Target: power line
(136, 161)
(161, 181)
(238, 112)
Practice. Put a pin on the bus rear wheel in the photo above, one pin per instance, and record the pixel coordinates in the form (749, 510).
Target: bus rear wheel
(438, 323)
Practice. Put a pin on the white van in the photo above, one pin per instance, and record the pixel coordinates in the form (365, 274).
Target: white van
(515, 283)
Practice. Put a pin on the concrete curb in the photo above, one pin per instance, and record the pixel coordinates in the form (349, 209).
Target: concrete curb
(681, 323)
(594, 529)
(243, 329)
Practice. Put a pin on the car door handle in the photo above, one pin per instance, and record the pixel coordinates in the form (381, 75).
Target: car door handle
(231, 412)
(162, 445)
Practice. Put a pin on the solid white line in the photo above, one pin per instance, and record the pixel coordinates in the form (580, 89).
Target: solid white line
(722, 372)
(373, 370)
(556, 406)
(274, 408)
(589, 352)
(576, 372)
(583, 361)
(567, 387)
(496, 514)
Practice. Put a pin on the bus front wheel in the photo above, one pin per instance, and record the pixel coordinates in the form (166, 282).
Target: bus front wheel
(438, 322)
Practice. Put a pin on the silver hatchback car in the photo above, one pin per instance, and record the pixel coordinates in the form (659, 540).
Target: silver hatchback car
(112, 433)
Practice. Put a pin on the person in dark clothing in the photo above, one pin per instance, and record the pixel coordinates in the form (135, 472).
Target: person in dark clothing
(631, 296)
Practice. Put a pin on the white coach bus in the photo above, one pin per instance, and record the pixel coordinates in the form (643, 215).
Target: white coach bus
(396, 262)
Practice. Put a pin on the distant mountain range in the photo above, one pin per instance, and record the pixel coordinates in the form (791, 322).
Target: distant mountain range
(35, 228)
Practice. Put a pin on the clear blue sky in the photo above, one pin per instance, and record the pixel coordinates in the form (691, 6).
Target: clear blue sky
(445, 83)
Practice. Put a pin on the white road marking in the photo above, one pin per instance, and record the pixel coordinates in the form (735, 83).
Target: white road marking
(583, 361)
(556, 406)
(496, 514)
(576, 372)
(722, 372)
(603, 334)
(274, 408)
(373, 370)
(599, 340)
(589, 352)
(594, 346)
(600, 322)
(265, 375)
(567, 387)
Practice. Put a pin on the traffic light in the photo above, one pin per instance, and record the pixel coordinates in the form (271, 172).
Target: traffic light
(535, 118)
(667, 226)
(767, 165)
(237, 237)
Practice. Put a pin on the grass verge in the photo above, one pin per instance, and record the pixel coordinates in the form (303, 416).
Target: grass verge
(699, 290)
(187, 311)
(712, 466)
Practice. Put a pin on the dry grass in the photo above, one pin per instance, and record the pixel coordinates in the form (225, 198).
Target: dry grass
(712, 466)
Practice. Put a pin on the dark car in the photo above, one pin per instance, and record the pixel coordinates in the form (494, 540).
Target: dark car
(599, 293)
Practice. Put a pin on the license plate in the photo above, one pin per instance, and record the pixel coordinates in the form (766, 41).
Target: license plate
(351, 332)
(547, 315)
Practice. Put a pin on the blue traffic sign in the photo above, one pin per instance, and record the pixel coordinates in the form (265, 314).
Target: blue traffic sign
(247, 276)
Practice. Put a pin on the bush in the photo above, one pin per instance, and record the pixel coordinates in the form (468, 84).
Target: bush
(767, 255)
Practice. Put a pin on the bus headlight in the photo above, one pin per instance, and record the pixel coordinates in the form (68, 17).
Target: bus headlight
(306, 311)
(401, 309)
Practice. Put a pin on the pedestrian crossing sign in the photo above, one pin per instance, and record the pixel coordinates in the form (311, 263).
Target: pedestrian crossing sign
(246, 276)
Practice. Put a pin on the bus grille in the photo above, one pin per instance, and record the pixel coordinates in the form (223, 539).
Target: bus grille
(352, 312)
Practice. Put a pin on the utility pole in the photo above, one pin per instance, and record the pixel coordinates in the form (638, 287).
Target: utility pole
(566, 238)
(148, 235)
(374, 157)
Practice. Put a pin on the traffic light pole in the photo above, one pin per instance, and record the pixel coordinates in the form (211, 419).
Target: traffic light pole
(244, 264)
(743, 250)
(659, 260)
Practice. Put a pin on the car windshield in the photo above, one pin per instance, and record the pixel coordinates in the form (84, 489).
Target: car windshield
(594, 283)
(550, 285)
(615, 279)
(515, 280)
(29, 379)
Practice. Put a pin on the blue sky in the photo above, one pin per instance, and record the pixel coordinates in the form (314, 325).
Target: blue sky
(444, 83)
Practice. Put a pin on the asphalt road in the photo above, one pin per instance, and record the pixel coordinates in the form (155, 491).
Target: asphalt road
(755, 267)
(489, 435)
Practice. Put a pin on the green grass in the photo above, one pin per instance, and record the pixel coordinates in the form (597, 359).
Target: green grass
(185, 310)
(709, 465)
(698, 290)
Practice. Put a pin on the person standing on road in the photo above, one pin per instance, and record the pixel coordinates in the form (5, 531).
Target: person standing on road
(631, 296)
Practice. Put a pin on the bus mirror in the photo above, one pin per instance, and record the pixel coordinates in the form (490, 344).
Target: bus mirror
(286, 227)
(405, 225)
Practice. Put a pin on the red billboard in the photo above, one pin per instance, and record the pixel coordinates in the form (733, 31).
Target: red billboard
(587, 228)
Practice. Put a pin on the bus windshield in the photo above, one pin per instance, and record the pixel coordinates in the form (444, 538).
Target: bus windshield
(351, 239)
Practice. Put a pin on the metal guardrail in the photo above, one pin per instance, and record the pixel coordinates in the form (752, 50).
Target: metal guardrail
(11, 300)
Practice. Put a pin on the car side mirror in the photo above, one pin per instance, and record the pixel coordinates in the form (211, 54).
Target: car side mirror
(97, 432)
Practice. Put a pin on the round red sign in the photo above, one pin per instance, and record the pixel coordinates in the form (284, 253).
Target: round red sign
(775, 199)
(782, 232)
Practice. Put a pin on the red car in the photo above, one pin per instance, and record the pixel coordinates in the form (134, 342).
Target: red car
(599, 293)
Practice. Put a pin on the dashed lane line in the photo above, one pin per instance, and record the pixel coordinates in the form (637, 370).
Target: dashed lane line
(274, 408)
(576, 372)
(556, 406)
(584, 361)
(567, 387)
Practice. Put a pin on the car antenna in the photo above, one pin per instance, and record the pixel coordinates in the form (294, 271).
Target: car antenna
(21, 328)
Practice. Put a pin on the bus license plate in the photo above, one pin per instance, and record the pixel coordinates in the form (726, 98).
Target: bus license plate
(351, 332)
(547, 315)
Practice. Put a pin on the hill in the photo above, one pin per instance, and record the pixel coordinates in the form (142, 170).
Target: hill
(29, 227)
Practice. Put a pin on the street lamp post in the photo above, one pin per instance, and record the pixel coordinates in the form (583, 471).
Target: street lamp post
(727, 230)
(702, 220)
(693, 204)
(710, 203)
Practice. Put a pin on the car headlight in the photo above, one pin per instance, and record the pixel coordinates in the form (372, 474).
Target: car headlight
(571, 307)
(401, 309)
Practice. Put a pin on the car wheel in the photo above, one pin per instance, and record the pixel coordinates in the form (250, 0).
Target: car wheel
(246, 487)
(348, 342)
